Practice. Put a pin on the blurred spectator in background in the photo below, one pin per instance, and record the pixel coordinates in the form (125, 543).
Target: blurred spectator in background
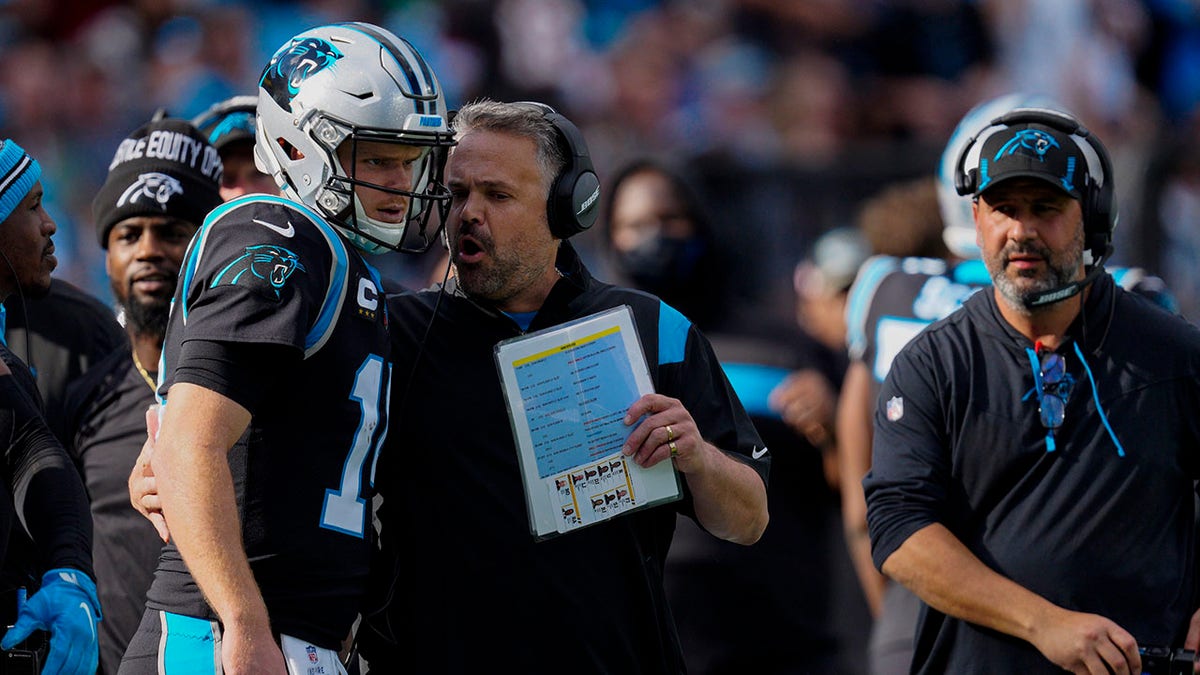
(787, 585)
(822, 283)
(790, 114)
(903, 221)
(229, 127)
(1170, 233)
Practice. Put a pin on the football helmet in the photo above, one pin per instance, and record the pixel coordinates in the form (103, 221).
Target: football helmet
(958, 223)
(349, 83)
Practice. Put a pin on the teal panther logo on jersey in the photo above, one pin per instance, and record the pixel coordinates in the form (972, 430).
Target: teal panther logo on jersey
(270, 263)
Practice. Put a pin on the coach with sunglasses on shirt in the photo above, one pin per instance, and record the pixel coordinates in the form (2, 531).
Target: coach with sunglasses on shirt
(1034, 453)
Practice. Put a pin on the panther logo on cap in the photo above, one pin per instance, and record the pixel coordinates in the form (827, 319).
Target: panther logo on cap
(153, 186)
(1031, 142)
(291, 65)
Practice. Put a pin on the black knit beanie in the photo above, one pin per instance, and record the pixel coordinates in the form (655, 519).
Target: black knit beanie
(166, 167)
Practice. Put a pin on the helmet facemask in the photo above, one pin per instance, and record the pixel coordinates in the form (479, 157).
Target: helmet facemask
(426, 194)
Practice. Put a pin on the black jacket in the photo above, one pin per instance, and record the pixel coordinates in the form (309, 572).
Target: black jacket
(1101, 524)
(466, 585)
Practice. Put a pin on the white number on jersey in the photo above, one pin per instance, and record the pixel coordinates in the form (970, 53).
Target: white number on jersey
(345, 509)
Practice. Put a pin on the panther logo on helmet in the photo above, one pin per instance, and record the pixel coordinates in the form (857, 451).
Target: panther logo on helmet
(273, 264)
(155, 186)
(299, 60)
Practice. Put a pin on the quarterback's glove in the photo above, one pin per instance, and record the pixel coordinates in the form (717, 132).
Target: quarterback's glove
(66, 606)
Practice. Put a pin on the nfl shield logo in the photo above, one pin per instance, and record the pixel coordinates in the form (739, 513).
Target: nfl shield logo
(312, 653)
(895, 408)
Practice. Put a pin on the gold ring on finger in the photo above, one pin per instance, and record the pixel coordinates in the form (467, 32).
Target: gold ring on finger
(670, 434)
(674, 450)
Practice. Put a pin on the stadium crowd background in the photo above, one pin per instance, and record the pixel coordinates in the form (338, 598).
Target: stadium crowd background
(786, 113)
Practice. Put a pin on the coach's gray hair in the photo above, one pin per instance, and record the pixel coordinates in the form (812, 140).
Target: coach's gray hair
(519, 119)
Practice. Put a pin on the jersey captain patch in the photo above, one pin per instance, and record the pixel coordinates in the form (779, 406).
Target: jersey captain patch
(265, 263)
(367, 298)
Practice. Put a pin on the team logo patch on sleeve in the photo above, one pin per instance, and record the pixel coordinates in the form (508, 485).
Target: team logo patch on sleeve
(265, 262)
(895, 409)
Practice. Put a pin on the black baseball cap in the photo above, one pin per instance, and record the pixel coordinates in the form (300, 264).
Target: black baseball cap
(228, 121)
(1035, 151)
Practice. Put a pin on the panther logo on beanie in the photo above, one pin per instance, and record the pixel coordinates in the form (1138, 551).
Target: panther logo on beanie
(165, 167)
(157, 186)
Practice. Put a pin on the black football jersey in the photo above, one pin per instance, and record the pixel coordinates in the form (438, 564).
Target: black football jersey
(893, 299)
(266, 270)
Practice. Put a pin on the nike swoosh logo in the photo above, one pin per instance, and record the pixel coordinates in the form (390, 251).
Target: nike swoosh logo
(285, 231)
(87, 611)
(758, 453)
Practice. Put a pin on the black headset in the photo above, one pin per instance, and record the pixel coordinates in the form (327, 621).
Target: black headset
(1099, 201)
(574, 200)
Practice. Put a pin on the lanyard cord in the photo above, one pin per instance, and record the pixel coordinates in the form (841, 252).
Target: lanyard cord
(1096, 397)
(1034, 362)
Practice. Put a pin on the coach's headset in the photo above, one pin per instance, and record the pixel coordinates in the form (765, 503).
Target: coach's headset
(574, 200)
(1099, 200)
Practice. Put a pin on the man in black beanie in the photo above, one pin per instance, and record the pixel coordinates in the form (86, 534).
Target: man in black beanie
(162, 182)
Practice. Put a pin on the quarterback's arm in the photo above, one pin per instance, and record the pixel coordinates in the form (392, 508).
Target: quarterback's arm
(853, 435)
(936, 566)
(199, 427)
(729, 497)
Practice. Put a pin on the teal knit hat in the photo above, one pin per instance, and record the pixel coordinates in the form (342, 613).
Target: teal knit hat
(18, 173)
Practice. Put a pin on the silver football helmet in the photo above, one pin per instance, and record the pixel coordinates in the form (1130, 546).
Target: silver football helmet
(348, 83)
(958, 223)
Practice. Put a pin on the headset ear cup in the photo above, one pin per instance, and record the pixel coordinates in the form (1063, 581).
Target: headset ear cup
(964, 182)
(573, 203)
(1100, 216)
(558, 208)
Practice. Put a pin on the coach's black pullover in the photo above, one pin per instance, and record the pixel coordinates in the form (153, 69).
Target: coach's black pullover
(959, 442)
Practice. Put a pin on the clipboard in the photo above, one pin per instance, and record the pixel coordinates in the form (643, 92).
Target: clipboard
(567, 389)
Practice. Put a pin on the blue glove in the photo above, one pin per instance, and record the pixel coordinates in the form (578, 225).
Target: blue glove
(67, 607)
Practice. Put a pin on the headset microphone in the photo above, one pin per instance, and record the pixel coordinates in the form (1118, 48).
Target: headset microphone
(1063, 292)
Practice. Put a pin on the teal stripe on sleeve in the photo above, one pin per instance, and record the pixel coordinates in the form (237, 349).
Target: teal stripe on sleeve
(753, 384)
(672, 334)
(870, 275)
(188, 645)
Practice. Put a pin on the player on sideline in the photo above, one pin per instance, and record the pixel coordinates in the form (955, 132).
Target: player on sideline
(276, 364)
